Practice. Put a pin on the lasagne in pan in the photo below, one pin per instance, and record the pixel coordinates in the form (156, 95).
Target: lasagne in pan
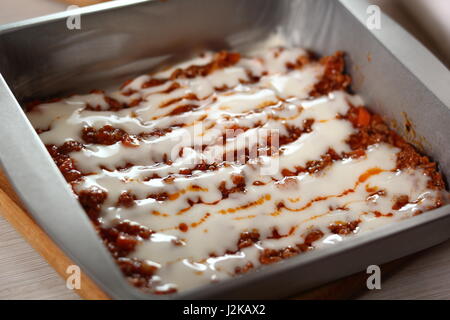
(226, 162)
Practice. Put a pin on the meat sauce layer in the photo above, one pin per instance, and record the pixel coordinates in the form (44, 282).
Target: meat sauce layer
(226, 162)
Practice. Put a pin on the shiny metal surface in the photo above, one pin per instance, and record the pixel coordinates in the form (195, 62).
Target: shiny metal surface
(42, 58)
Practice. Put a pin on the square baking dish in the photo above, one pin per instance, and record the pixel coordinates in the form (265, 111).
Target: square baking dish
(41, 58)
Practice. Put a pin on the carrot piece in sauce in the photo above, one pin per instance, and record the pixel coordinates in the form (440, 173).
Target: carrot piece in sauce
(363, 117)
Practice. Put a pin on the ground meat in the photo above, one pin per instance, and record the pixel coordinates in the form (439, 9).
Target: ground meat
(91, 201)
(189, 96)
(153, 83)
(239, 186)
(288, 183)
(126, 199)
(182, 109)
(294, 132)
(65, 163)
(316, 166)
(373, 196)
(221, 60)
(333, 78)
(123, 237)
(299, 63)
(269, 256)
(374, 132)
(133, 229)
(70, 146)
(203, 166)
(313, 236)
(344, 228)
(139, 273)
(244, 269)
(409, 157)
(113, 104)
(325, 161)
(400, 202)
(163, 196)
(247, 239)
(106, 135)
(156, 133)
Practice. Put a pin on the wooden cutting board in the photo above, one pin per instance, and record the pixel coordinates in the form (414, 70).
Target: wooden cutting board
(83, 3)
(12, 210)
(15, 214)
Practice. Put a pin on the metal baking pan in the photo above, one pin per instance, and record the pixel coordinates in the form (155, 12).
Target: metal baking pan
(42, 58)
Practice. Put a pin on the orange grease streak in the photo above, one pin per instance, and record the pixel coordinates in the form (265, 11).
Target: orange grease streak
(361, 179)
(258, 202)
(195, 224)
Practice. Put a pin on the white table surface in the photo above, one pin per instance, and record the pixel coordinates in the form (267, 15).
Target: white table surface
(24, 274)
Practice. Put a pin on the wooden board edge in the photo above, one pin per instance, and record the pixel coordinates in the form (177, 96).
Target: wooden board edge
(38, 239)
(82, 3)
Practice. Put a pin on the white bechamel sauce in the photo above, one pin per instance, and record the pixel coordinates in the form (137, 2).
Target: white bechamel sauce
(280, 98)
